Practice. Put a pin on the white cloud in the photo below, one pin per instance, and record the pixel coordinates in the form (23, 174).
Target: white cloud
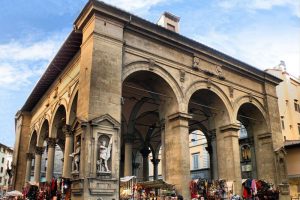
(257, 46)
(293, 5)
(136, 6)
(22, 62)
(17, 51)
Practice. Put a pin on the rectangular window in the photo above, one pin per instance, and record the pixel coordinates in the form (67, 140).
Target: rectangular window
(2, 160)
(1, 169)
(299, 128)
(296, 106)
(196, 160)
(0, 180)
(170, 27)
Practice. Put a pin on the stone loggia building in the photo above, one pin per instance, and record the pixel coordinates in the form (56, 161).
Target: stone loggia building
(120, 85)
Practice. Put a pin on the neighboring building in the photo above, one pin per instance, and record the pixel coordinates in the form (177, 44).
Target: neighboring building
(121, 88)
(6, 155)
(288, 92)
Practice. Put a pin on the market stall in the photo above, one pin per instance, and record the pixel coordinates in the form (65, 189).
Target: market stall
(157, 189)
(127, 187)
(211, 189)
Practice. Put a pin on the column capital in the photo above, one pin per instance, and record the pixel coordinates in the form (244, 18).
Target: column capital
(145, 152)
(67, 130)
(180, 115)
(29, 156)
(51, 142)
(155, 161)
(39, 150)
(230, 127)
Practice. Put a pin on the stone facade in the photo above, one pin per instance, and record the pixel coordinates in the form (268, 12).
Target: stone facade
(144, 88)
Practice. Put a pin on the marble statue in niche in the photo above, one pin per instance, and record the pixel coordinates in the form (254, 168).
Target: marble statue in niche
(105, 147)
(76, 156)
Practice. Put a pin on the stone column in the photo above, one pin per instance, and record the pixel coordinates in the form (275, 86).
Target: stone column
(37, 163)
(128, 156)
(67, 160)
(177, 153)
(145, 153)
(50, 161)
(229, 155)
(29, 157)
(155, 163)
(163, 156)
(213, 155)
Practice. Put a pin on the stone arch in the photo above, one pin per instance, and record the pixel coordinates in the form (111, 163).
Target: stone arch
(250, 112)
(246, 99)
(158, 70)
(32, 142)
(203, 85)
(59, 111)
(74, 94)
(71, 117)
(43, 132)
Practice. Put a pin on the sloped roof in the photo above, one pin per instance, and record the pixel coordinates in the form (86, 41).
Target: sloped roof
(66, 52)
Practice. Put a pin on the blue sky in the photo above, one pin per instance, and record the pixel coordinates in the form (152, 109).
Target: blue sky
(259, 32)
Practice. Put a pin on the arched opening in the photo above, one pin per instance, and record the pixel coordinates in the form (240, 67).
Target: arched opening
(208, 114)
(41, 153)
(253, 125)
(73, 111)
(56, 144)
(147, 101)
(31, 157)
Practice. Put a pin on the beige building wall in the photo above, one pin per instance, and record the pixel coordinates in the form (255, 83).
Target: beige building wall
(6, 154)
(288, 93)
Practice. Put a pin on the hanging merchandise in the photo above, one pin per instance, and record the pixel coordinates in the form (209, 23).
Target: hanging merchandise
(194, 189)
(259, 189)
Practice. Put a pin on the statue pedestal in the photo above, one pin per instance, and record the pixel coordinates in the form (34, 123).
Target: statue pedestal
(104, 185)
(104, 175)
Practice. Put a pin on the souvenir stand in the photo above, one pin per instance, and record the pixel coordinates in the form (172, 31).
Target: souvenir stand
(127, 187)
(259, 189)
(211, 189)
(157, 189)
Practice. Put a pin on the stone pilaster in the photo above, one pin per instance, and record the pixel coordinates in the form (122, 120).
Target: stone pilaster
(23, 133)
(37, 163)
(145, 153)
(155, 163)
(29, 157)
(99, 94)
(177, 154)
(50, 162)
(229, 156)
(67, 162)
